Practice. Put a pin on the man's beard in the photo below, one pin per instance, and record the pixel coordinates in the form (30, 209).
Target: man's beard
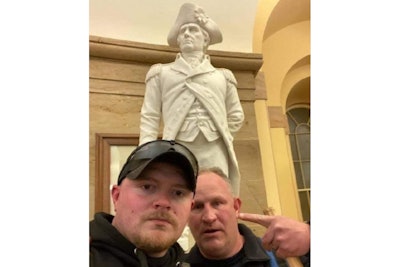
(157, 241)
(152, 243)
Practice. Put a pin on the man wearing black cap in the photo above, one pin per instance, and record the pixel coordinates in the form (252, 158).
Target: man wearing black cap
(152, 204)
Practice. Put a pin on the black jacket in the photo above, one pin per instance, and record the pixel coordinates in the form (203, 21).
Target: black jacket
(252, 255)
(108, 248)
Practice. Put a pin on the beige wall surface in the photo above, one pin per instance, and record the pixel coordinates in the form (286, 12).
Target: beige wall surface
(150, 21)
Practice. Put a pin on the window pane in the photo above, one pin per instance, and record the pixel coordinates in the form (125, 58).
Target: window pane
(302, 115)
(295, 154)
(303, 129)
(306, 173)
(299, 136)
(304, 147)
(305, 205)
(303, 140)
(292, 124)
(299, 176)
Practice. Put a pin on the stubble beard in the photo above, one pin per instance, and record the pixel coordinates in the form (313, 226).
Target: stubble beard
(160, 237)
(155, 241)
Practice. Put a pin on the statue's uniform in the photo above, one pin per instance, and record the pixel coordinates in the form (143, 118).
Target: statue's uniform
(199, 108)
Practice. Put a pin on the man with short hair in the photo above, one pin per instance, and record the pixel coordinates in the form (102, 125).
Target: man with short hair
(220, 240)
(152, 203)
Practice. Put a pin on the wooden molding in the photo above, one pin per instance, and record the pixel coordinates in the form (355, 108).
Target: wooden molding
(150, 54)
(102, 163)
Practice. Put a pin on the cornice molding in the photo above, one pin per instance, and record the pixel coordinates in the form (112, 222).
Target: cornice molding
(150, 53)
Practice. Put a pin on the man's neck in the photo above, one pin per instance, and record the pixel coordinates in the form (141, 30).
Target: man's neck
(225, 252)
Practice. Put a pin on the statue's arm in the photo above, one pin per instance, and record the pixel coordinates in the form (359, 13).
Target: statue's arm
(150, 115)
(234, 110)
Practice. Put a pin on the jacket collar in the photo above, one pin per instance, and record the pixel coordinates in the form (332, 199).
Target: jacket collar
(180, 65)
(253, 248)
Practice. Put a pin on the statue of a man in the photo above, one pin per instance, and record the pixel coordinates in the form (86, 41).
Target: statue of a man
(198, 103)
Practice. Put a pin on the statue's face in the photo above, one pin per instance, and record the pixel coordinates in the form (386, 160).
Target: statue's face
(192, 38)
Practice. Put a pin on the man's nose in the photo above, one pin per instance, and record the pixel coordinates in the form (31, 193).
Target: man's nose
(162, 201)
(208, 215)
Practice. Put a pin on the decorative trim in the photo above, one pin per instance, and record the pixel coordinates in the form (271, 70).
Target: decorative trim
(102, 165)
(150, 53)
(278, 119)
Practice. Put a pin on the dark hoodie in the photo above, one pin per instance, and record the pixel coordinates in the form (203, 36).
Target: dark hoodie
(108, 248)
(251, 255)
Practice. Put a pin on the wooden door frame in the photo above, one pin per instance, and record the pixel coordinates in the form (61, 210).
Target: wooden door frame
(104, 141)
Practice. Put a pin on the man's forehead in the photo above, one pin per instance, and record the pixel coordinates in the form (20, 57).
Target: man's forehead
(210, 194)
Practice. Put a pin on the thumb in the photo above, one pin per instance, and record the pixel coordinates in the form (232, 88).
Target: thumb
(263, 220)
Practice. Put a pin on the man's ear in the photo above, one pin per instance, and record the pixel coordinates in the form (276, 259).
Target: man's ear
(237, 203)
(115, 191)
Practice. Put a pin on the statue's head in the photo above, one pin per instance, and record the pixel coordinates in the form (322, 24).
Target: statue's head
(191, 13)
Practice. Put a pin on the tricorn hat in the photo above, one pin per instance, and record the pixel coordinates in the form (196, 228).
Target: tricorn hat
(191, 13)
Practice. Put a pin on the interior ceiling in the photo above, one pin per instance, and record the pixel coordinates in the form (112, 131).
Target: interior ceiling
(300, 93)
(285, 13)
(302, 62)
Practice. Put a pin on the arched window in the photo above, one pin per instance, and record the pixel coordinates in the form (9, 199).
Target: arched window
(300, 134)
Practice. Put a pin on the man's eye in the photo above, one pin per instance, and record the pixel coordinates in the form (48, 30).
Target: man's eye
(196, 207)
(179, 193)
(147, 186)
(217, 203)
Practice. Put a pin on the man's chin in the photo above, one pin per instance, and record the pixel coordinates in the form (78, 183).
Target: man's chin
(212, 242)
(156, 240)
(155, 245)
(212, 250)
(158, 224)
(158, 231)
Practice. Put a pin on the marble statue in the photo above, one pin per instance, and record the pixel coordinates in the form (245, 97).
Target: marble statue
(197, 103)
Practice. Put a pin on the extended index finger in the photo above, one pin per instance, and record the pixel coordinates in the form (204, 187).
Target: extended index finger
(263, 220)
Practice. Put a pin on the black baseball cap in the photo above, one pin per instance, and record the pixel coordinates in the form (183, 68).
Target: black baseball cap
(167, 151)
